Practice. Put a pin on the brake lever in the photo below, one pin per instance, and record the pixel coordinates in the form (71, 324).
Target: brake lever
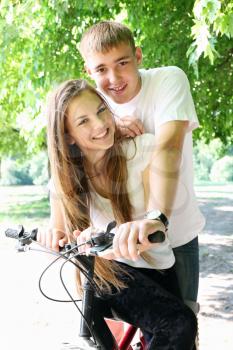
(103, 240)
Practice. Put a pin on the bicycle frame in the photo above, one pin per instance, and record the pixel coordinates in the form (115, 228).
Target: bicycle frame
(87, 309)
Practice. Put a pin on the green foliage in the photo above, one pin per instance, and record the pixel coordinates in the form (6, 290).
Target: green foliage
(39, 48)
(222, 170)
(211, 18)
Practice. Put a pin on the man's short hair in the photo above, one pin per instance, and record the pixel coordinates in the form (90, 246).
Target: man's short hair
(105, 35)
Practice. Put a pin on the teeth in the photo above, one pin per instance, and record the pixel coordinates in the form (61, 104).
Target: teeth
(100, 136)
(118, 88)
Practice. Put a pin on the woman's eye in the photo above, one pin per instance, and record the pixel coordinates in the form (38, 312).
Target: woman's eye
(83, 121)
(102, 109)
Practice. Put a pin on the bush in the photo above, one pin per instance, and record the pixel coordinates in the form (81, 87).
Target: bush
(39, 169)
(205, 155)
(222, 170)
(15, 173)
(28, 172)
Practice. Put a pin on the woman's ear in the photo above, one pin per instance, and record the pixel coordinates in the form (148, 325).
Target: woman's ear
(69, 139)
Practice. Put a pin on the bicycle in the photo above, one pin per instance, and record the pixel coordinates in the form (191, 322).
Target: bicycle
(89, 337)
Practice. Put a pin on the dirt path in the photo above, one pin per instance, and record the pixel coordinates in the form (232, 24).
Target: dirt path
(216, 270)
(28, 321)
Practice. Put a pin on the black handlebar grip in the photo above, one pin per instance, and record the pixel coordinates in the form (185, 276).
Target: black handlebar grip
(12, 233)
(157, 237)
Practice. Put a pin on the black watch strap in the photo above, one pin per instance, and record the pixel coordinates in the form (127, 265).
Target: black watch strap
(163, 219)
(157, 215)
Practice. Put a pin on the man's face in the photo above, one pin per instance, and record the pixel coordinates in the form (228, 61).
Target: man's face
(116, 72)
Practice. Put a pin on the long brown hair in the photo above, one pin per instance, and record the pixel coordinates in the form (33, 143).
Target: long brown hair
(71, 181)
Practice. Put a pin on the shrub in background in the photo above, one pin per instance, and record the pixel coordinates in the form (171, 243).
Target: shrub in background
(222, 170)
(25, 172)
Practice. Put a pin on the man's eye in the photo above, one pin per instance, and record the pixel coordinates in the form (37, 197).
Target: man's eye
(123, 63)
(101, 70)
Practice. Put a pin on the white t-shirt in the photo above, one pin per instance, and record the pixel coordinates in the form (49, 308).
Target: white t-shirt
(138, 154)
(165, 96)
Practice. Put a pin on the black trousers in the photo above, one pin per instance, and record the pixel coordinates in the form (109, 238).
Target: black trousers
(152, 303)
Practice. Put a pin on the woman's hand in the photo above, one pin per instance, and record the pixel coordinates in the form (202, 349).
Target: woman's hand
(131, 238)
(52, 238)
(84, 236)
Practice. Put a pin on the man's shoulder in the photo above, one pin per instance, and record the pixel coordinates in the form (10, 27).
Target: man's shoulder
(160, 72)
(163, 79)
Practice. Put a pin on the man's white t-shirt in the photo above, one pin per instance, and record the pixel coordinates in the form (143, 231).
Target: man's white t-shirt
(165, 96)
(138, 153)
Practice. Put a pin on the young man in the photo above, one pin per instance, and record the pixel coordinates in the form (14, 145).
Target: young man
(157, 101)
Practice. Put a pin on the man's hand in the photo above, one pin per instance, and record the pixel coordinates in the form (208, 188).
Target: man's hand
(130, 126)
(131, 238)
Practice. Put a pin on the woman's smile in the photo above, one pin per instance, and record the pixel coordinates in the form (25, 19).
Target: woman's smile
(90, 125)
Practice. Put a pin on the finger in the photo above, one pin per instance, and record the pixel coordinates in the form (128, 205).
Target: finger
(83, 237)
(115, 243)
(132, 242)
(140, 125)
(54, 237)
(127, 132)
(122, 248)
(62, 242)
(132, 126)
(76, 233)
(80, 240)
(38, 237)
(48, 239)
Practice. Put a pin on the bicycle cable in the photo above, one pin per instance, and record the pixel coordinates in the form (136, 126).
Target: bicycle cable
(74, 302)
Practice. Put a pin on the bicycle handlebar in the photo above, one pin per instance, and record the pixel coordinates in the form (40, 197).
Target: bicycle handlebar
(99, 243)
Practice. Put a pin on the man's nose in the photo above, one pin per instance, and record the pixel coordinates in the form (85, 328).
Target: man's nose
(113, 76)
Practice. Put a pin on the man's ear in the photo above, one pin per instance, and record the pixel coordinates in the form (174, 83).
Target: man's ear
(87, 70)
(138, 55)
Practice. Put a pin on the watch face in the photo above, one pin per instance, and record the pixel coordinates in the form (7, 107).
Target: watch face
(153, 214)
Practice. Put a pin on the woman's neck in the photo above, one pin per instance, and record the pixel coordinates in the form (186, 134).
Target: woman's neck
(92, 168)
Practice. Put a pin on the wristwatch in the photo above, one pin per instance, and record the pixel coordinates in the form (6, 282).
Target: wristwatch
(157, 215)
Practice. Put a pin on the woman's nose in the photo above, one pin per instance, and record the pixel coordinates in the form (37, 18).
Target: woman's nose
(98, 121)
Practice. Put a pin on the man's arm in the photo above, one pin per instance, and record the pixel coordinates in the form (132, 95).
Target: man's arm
(165, 166)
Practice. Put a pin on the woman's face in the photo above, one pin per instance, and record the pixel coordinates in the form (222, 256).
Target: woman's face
(90, 125)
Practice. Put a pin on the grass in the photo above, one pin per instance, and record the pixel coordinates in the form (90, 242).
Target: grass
(26, 205)
(34, 210)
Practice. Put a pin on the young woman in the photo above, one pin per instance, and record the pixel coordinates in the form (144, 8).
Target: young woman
(97, 177)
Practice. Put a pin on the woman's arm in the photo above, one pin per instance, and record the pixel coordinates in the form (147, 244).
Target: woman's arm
(56, 235)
